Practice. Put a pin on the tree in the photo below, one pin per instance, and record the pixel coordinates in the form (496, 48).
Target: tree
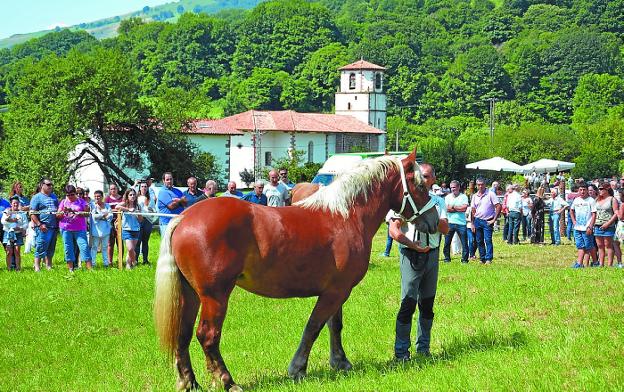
(500, 27)
(546, 17)
(298, 171)
(280, 36)
(247, 177)
(532, 141)
(261, 91)
(446, 155)
(319, 77)
(474, 77)
(57, 42)
(195, 48)
(574, 52)
(595, 96)
(600, 147)
(89, 100)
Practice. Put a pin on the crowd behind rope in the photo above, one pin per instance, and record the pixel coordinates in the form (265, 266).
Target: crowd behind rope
(88, 226)
(589, 213)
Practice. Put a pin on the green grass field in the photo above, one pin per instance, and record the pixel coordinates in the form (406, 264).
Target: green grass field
(526, 322)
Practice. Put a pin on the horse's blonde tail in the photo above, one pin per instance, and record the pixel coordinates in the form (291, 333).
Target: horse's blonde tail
(167, 301)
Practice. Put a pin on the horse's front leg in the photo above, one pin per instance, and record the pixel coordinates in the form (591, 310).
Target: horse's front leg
(337, 357)
(326, 306)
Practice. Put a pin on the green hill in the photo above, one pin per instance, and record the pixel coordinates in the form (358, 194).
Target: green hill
(107, 27)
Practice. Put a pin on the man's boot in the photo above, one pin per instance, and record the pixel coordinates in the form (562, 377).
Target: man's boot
(402, 341)
(424, 336)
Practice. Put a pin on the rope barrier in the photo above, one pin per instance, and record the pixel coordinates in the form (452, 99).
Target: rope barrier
(118, 238)
(85, 214)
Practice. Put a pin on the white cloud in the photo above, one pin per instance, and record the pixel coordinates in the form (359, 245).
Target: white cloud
(54, 25)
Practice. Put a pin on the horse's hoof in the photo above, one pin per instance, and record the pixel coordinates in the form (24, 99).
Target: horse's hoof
(342, 364)
(297, 369)
(187, 385)
(296, 374)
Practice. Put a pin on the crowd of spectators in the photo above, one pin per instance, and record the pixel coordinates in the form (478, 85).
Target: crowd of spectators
(90, 226)
(589, 214)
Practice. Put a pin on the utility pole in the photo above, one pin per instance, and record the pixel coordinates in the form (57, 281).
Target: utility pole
(396, 148)
(492, 102)
(257, 143)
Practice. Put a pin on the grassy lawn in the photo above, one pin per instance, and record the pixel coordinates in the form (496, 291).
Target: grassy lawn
(526, 322)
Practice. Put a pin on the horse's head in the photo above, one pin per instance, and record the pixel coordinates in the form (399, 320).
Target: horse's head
(413, 201)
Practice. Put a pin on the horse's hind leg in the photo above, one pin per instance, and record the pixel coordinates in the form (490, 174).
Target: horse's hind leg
(209, 335)
(190, 306)
(337, 357)
(326, 306)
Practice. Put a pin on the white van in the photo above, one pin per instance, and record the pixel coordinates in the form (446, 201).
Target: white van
(340, 163)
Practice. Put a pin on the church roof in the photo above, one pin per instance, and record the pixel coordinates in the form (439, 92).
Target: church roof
(362, 64)
(284, 121)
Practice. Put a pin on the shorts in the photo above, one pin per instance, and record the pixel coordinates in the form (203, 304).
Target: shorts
(17, 238)
(583, 240)
(608, 232)
(129, 235)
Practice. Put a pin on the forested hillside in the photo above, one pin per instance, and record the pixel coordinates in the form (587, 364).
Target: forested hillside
(169, 12)
(553, 72)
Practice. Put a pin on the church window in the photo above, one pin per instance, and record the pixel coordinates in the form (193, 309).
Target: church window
(348, 105)
(351, 81)
(378, 80)
(267, 158)
(310, 151)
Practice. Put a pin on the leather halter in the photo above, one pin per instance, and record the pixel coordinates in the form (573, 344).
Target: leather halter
(407, 197)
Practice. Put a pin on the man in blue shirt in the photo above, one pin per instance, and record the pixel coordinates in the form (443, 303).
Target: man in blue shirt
(170, 201)
(46, 203)
(257, 196)
(4, 204)
(232, 191)
(192, 193)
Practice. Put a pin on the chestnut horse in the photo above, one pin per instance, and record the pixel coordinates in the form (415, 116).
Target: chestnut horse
(303, 190)
(319, 247)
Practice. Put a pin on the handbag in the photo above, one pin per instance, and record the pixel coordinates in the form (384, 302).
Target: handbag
(619, 231)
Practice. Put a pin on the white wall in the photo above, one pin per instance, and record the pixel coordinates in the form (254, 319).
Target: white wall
(217, 145)
(318, 148)
(241, 157)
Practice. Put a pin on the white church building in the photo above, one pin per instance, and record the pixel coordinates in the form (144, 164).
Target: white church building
(252, 140)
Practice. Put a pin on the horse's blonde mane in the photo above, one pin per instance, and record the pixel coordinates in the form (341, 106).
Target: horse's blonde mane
(339, 196)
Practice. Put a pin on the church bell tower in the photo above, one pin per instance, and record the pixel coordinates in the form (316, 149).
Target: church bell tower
(361, 94)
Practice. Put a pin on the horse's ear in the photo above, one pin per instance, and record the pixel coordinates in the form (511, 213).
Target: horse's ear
(412, 156)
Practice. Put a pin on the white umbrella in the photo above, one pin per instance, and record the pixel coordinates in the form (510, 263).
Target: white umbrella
(495, 164)
(548, 165)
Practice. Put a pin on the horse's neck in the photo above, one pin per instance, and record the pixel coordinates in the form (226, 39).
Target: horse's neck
(372, 211)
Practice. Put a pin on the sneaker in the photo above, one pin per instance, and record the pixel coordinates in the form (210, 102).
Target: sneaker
(447, 261)
(402, 359)
(488, 261)
(620, 265)
(577, 265)
(594, 264)
(384, 255)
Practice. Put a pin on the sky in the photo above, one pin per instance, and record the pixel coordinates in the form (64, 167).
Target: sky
(28, 16)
